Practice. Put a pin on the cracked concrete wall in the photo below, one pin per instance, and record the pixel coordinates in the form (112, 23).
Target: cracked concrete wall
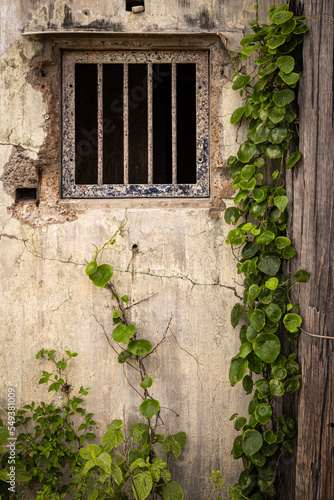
(47, 301)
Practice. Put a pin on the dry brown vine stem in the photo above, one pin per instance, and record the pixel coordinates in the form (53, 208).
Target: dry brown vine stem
(317, 336)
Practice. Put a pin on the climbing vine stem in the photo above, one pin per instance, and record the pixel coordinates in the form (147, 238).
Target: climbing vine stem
(139, 463)
(269, 96)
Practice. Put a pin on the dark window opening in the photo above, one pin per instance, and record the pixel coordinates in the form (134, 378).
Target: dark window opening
(162, 123)
(133, 3)
(86, 141)
(138, 124)
(25, 194)
(186, 123)
(113, 136)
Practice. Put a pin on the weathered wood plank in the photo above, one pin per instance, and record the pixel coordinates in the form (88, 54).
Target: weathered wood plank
(311, 189)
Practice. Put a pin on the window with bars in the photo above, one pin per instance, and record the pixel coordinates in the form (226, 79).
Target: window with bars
(135, 124)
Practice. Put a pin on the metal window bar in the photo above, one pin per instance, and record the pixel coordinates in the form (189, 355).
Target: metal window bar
(100, 124)
(174, 124)
(126, 122)
(150, 121)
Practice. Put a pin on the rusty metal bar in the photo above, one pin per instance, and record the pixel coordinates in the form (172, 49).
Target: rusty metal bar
(150, 121)
(126, 122)
(100, 124)
(174, 124)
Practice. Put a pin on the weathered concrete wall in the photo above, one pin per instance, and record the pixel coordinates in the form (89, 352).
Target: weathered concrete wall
(47, 301)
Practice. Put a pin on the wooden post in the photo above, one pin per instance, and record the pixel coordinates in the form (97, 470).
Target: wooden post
(311, 189)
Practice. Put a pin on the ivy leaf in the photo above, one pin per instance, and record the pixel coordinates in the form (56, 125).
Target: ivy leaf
(253, 292)
(286, 63)
(273, 313)
(293, 158)
(139, 347)
(252, 442)
(273, 151)
(116, 473)
(146, 383)
(259, 134)
(302, 276)
(280, 17)
(245, 349)
(268, 69)
(123, 333)
(281, 202)
(143, 483)
(251, 333)
(258, 319)
(276, 114)
(91, 268)
(265, 238)
(257, 209)
(269, 436)
(247, 384)
(283, 97)
(232, 215)
(292, 322)
(247, 172)
(238, 369)
(240, 423)
(237, 115)
(278, 134)
(104, 461)
(275, 41)
(149, 408)
(259, 162)
(246, 151)
(123, 356)
(288, 26)
(241, 82)
(139, 434)
(302, 28)
(113, 437)
(267, 347)
(259, 195)
(172, 491)
(288, 253)
(255, 363)
(282, 242)
(236, 314)
(289, 79)
(272, 283)
(290, 116)
(102, 275)
(263, 413)
(287, 46)
(270, 264)
(291, 385)
(171, 444)
(262, 386)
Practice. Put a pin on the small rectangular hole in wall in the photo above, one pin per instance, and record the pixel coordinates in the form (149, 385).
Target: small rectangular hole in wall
(133, 3)
(25, 194)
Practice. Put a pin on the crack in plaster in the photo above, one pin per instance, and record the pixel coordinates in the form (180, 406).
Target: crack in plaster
(182, 277)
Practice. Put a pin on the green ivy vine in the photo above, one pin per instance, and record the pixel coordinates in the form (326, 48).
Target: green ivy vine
(269, 95)
(132, 461)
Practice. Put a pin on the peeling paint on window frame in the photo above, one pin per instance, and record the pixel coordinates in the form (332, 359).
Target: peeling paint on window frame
(199, 190)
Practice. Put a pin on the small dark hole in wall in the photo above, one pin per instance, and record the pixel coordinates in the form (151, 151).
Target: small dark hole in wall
(133, 3)
(135, 247)
(25, 194)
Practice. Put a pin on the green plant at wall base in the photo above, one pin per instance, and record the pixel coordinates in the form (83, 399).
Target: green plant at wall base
(48, 439)
(130, 462)
(269, 94)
